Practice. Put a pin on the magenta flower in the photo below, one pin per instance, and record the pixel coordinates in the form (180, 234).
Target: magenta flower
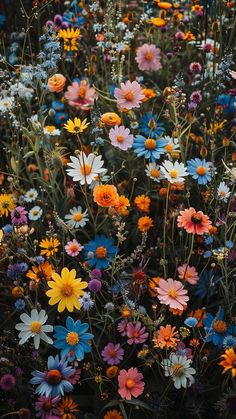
(81, 95)
(130, 95)
(130, 383)
(46, 406)
(19, 216)
(120, 137)
(136, 333)
(113, 354)
(7, 382)
(122, 328)
(148, 58)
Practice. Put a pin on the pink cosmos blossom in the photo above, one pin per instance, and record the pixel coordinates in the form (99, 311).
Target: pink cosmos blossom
(188, 273)
(46, 407)
(19, 216)
(81, 95)
(73, 248)
(148, 58)
(172, 293)
(130, 383)
(122, 327)
(120, 137)
(130, 95)
(113, 354)
(136, 333)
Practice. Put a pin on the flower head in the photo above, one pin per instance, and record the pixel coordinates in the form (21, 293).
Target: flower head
(7, 204)
(73, 248)
(19, 216)
(76, 218)
(165, 337)
(173, 172)
(150, 148)
(121, 138)
(112, 354)
(129, 95)
(172, 293)
(105, 195)
(65, 290)
(130, 383)
(136, 333)
(77, 126)
(66, 408)
(229, 361)
(81, 95)
(148, 57)
(194, 222)
(100, 251)
(49, 246)
(179, 368)
(46, 406)
(200, 170)
(85, 169)
(34, 326)
(188, 273)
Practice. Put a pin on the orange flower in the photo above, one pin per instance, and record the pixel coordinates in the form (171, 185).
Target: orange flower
(43, 271)
(165, 337)
(125, 312)
(153, 283)
(229, 362)
(142, 202)
(17, 292)
(163, 4)
(56, 83)
(148, 94)
(111, 372)
(157, 21)
(122, 206)
(105, 195)
(199, 314)
(66, 408)
(113, 414)
(49, 246)
(189, 36)
(111, 119)
(145, 223)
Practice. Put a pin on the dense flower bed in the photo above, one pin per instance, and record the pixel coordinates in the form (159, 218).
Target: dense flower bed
(117, 209)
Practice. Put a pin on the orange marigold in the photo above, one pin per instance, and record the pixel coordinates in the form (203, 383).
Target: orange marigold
(111, 119)
(142, 202)
(113, 414)
(165, 337)
(122, 205)
(145, 223)
(106, 195)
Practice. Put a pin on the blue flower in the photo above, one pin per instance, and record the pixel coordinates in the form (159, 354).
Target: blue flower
(191, 321)
(150, 127)
(229, 342)
(227, 102)
(8, 229)
(150, 148)
(217, 329)
(19, 304)
(53, 382)
(58, 106)
(229, 244)
(208, 240)
(200, 170)
(2, 20)
(100, 251)
(73, 340)
(207, 254)
(60, 118)
(16, 271)
(206, 286)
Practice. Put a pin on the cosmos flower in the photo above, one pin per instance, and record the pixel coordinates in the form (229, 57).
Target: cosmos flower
(113, 354)
(172, 293)
(130, 383)
(194, 222)
(129, 95)
(121, 138)
(179, 368)
(46, 406)
(165, 337)
(136, 333)
(19, 216)
(81, 95)
(85, 169)
(188, 273)
(73, 248)
(148, 57)
(34, 326)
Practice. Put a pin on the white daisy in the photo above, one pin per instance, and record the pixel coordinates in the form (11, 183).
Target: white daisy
(34, 326)
(172, 145)
(174, 172)
(85, 169)
(31, 195)
(35, 213)
(51, 131)
(178, 367)
(223, 192)
(153, 171)
(77, 218)
(6, 104)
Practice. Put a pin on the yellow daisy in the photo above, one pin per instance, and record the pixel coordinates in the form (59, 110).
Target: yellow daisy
(77, 126)
(7, 204)
(66, 290)
(69, 33)
(49, 246)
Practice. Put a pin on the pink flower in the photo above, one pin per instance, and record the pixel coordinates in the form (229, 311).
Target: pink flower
(233, 74)
(73, 248)
(130, 383)
(148, 58)
(136, 333)
(130, 95)
(7, 382)
(19, 216)
(122, 328)
(194, 222)
(75, 377)
(81, 95)
(46, 407)
(120, 137)
(172, 293)
(113, 354)
(188, 273)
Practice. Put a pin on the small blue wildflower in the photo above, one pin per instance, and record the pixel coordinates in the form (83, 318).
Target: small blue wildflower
(150, 127)
(199, 170)
(191, 321)
(17, 271)
(19, 304)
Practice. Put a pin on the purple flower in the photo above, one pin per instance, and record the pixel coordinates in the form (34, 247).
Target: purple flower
(195, 68)
(196, 97)
(94, 285)
(46, 407)
(113, 354)
(96, 273)
(19, 216)
(16, 271)
(7, 382)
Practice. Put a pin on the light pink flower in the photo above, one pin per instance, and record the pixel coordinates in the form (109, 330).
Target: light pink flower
(148, 58)
(188, 273)
(130, 95)
(130, 383)
(73, 248)
(122, 327)
(172, 293)
(136, 333)
(120, 137)
(81, 95)
(233, 74)
(113, 354)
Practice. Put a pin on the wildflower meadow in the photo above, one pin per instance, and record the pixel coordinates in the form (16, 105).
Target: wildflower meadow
(117, 209)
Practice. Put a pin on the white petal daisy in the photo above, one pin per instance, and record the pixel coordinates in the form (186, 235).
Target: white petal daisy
(34, 326)
(85, 169)
(174, 172)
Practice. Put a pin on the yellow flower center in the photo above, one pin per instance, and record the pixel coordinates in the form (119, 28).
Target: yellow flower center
(50, 128)
(129, 96)
(36, 327)
(130, 383)
(155, 173)
(86, 169)
(35, 212)
(72, 338)
(172, 293)
(67, 290)
(101, 252)
(5, 103)
(150, 144)
(120, 138)
(201, 170)
(169, 148)
(149, 56)
(173, 173)
(220, 326)
(177, 370)
(78, 216)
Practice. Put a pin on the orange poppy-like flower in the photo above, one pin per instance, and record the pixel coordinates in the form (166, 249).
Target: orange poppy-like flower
(122, 205)
(194, 222)
(148, 94)
(111, 119)
(66, 408)
(145, 223)
(111, 372)
(113, 414)
(142, 202)
(105, 195)
(163, 4)
(43, 271)
(56, 83)
(165, 337)
(229, 362)
(17, 292)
